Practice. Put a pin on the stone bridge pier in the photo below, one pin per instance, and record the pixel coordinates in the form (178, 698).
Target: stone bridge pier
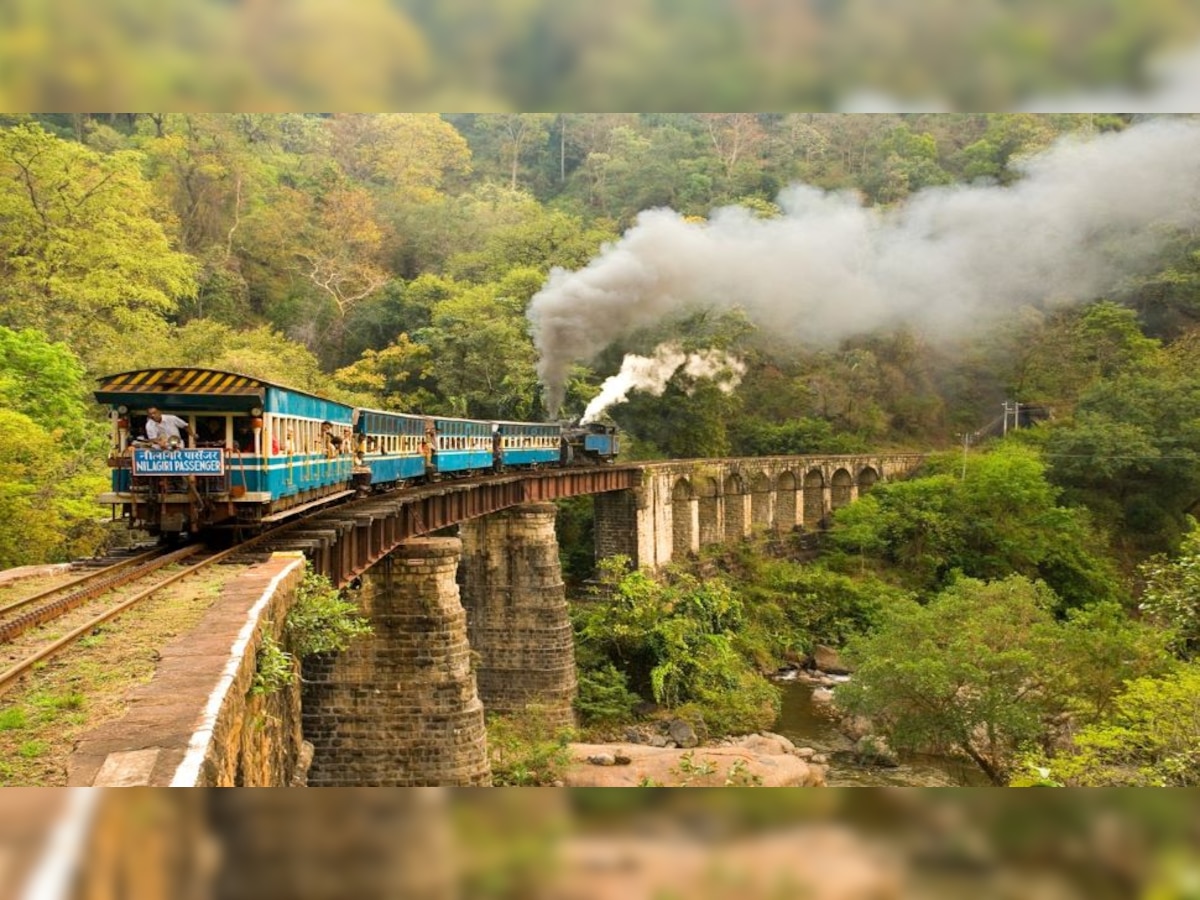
(400, 708)
(406, 706)
(680, 507)
(517, 618)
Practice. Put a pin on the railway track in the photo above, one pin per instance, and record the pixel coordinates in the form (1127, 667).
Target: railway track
(19, 616)
(53, 604)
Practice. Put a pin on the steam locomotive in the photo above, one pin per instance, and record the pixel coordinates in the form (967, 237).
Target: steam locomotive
(254, 453)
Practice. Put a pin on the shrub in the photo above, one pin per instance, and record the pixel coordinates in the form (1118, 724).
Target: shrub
(604, 697)
(527, 748)
(276, 668)
(321, 620)
(1152, 740)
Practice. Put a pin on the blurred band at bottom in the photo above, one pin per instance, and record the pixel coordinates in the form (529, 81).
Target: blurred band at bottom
(138, 844)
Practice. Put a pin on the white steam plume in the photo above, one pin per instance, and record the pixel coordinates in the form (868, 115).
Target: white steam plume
(1086, 212)
(651, 374)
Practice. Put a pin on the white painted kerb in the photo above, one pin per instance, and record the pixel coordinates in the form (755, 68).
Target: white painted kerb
(54, 878)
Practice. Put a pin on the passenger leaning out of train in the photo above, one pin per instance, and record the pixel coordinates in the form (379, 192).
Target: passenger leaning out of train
(161, 428)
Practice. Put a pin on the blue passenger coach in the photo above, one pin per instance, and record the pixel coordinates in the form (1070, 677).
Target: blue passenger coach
(461, 445)
(529, 443)
(252, 450)
(395, 447)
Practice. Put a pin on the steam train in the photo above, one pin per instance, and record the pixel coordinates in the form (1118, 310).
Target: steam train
(256, 453)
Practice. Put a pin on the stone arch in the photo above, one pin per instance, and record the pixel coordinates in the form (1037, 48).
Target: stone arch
(710, 511)
(814, 498)
(842, 492)
(735, 508)
(866, 479)
(683, 519)
(760, 501)
(785, 502)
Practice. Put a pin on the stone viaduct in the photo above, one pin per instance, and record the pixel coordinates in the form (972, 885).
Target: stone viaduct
(679, 507)
(463, 623)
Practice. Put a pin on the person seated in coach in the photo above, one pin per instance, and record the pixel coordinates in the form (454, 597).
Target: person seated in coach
(210, 431)
(243, 437)
(331, 440)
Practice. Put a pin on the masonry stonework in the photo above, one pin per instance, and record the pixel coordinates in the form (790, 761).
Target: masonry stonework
(517, 617)
(696, 503)
(616, 525)
(400, 708)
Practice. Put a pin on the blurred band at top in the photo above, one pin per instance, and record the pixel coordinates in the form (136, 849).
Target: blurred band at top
(622, 55)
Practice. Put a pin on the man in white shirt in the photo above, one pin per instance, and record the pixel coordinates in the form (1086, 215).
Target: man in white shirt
(160, 429)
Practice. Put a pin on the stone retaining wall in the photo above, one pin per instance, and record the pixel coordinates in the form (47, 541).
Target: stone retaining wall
(195, 724)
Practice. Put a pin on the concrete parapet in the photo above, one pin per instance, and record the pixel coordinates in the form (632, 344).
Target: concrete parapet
(400, 708)
(517, 617)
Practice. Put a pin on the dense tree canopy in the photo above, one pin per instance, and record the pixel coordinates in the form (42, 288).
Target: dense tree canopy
(391, 260)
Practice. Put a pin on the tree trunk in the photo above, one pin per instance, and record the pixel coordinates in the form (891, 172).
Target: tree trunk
(995, 776)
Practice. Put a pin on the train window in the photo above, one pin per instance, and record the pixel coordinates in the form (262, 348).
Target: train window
(243, 434)
(210, 431)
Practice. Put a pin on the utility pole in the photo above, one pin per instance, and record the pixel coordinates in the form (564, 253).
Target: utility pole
(1015, 409)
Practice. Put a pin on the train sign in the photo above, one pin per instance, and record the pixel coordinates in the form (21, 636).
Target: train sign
(183, 461)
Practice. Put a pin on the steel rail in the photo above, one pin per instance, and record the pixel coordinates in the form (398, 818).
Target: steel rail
(15, 627)
(10, 675)
(82, 580)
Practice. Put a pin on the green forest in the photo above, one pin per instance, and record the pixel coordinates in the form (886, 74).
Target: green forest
(1030, 600)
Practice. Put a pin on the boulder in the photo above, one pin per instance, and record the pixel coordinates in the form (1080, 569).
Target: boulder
(779, 739)
(855, 727)
(828, 660)
(873, 750)
(768, 744)
(682, 733)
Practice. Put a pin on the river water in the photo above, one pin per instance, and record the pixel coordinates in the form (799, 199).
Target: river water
(807, 725)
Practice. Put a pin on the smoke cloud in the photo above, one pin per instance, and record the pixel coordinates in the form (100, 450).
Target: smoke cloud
(1086, 213)
(651, 374)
